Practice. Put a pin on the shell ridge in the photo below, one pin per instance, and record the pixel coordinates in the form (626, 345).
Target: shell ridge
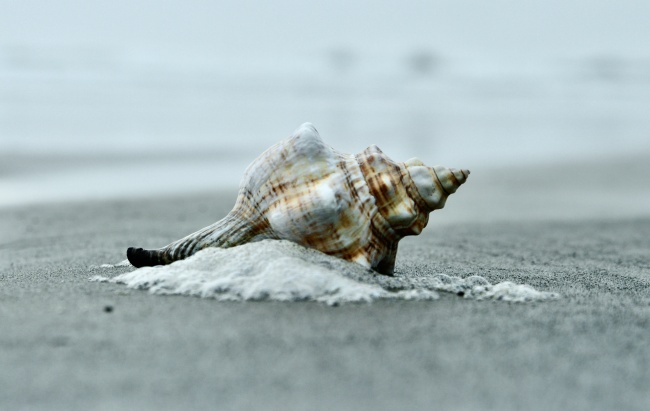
(377, 216)
(441, 181)
(413, 190)
(423, 208)
(421, 217)
(386, 173)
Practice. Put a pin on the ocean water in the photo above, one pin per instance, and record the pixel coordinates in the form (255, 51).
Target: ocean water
(85, 133)
(127, 100)
(278, 270)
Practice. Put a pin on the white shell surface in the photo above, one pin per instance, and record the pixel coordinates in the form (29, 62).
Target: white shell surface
(313, 195)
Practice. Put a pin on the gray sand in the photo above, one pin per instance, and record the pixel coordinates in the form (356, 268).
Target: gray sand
(68, 343)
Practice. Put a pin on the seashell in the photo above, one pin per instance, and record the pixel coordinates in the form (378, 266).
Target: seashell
(356, 207)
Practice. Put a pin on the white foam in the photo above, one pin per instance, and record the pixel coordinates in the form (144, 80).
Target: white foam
(124, 263)
(284, 271)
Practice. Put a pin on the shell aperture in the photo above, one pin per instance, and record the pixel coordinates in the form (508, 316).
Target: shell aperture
(356, 207)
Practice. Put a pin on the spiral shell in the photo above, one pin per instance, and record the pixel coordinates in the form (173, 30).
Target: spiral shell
(356, 207)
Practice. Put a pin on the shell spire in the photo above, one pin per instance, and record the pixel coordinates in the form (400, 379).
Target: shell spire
(436, 183)
(356, 207)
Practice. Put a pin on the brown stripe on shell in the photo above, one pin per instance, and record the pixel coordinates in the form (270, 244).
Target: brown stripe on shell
(422, 210)
(439, 183)
(384, 178)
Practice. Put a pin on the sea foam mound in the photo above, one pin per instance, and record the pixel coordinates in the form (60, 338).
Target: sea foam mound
(284, 271)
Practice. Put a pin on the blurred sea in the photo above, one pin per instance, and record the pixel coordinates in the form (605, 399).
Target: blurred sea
(89, 123)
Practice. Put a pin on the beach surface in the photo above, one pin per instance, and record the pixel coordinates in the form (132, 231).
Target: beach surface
(69, 343)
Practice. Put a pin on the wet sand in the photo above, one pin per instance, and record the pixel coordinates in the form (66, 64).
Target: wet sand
(68, 343)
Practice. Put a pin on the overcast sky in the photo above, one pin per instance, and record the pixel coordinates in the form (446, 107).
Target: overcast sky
(498, 29)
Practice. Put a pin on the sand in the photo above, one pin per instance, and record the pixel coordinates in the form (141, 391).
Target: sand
(69, 343)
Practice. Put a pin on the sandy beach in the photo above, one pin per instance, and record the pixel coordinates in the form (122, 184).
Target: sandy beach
(130, 124)
(68, 343)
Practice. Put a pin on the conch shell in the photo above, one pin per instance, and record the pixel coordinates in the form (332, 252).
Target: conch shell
(355, 207)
